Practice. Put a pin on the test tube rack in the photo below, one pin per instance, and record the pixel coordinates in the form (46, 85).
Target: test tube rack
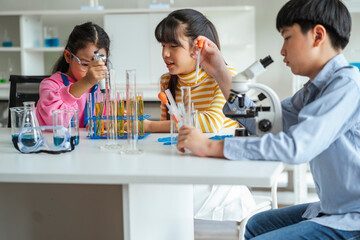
(97, 117)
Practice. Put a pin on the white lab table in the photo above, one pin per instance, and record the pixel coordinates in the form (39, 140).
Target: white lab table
(153, 190)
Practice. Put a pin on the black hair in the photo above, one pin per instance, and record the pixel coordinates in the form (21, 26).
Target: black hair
(195, 24)
(332, 14)
(80, 36)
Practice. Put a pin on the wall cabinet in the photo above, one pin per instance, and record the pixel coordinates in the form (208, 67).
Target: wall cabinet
(133, 45)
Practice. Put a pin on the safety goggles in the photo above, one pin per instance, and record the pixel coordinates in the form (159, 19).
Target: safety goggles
(84, 65)
(47, 139)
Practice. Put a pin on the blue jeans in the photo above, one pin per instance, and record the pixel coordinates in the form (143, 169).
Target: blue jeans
(287, 223)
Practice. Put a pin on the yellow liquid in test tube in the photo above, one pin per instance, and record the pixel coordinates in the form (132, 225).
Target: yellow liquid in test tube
(99, 110)
(141, 113)
(120, 113)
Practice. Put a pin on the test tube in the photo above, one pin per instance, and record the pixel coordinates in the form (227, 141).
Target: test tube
(186, 100)
(194, 113)
(132, 113)
(120, 113)
(111, 120)
(173, 130)
(140, 100)
(99, 113)
(90, 113)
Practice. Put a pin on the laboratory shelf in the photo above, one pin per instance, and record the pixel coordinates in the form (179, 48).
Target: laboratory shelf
(10, 49)
(133, 45)
(45, 49)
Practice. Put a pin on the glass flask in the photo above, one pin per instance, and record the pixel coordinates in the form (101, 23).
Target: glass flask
(30, 120)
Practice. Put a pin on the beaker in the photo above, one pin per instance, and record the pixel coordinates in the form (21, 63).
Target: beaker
(51, 37)
(69, 119)
(6, 39)
(17, 122)
(132, 113)
(174, 128)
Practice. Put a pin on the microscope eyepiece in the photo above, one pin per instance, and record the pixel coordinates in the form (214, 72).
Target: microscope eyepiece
(266, 61)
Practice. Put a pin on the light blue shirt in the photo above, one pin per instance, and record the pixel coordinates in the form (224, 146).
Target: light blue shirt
(321, 125)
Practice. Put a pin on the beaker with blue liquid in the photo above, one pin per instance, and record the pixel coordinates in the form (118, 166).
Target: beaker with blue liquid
(69, 119)
(51, 37)
(6, 40)
(24, 117)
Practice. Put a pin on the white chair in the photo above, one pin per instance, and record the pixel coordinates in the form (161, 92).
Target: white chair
(263, 203)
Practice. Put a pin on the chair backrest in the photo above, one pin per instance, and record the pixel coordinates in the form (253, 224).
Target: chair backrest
(22, 89)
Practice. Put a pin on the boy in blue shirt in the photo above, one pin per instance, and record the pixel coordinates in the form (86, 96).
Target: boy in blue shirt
(321, 125)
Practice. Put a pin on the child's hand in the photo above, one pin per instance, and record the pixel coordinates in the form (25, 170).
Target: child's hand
(194, 140)
(96, 72)
(147, 125)
(211, 59)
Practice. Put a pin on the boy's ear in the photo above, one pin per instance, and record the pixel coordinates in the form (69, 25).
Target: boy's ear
(319, 35)
(67, 56)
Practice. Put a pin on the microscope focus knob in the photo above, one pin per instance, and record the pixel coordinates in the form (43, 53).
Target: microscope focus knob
(265, 125)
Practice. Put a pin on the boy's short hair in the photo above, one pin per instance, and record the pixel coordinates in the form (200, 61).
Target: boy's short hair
(332, 14)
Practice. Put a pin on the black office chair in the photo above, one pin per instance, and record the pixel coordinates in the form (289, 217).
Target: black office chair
(23, 89)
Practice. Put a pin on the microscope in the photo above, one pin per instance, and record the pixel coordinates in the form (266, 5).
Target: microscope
(244, 104)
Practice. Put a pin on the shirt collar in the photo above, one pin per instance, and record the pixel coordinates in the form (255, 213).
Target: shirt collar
(190, 79)
(328, 70)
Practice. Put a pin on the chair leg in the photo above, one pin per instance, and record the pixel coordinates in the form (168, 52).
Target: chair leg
(242, 224)
(242, 228)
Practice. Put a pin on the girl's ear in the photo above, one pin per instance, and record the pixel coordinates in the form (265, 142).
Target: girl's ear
(319, 35)
(67, 56)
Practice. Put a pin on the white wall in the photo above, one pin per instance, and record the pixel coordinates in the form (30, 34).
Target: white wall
(14, 5)
(352, 51)
(268, 40)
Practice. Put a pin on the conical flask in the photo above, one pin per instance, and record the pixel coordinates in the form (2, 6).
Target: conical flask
(33, 135)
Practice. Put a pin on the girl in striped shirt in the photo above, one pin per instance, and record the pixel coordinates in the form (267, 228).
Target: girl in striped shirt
(177, 33)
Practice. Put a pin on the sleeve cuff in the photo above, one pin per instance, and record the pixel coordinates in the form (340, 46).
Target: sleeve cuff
(66, 96)
(230, 149)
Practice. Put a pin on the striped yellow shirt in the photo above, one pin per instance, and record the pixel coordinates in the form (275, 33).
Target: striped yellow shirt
(207, 97)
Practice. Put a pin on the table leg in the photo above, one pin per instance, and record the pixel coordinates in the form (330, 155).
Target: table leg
(158, 211)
